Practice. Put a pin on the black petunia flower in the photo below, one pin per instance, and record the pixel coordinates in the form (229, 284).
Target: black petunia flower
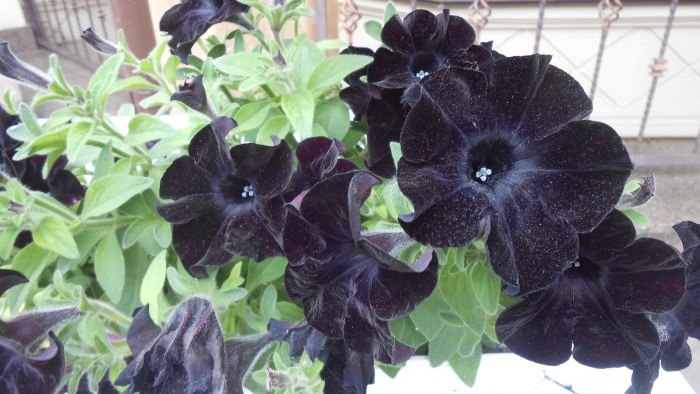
(678, 324)
(356, 95)
(25, 365)
(349, 284)
(187, 21)
(600, 303)
(385, 118)
(227, 202)
(515, 162)
(14, 68)
(192, 94)
(188, 355)
(99, 44)
(422, 44)
(318, 158)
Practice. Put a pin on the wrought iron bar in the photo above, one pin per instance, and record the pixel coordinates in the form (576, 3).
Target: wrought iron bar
(608, 12)
(657, 69)
(479, 12)
(101, 15)
(351, 16)
(540, 25)
(54, 12)
(76, 13)
(71, 28)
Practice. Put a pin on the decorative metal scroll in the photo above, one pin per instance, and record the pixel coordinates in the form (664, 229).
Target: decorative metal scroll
(609, 12)
(479, 13)
(658, 67)
(351, 16)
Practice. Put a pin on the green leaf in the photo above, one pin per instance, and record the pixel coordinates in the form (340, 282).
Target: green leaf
(105, 76)
(153, 282)
(466, 367)
(303, 56)
(228, 297)
(406, 332)
(425, 316)
(52, 234)
(275, 126)
(299, 108)
(334, 69)
(31, 124)
(162, 233)
(289, 311)
(104, 162)
(243, 64)
(134, 83)
(389, 11)
(111, 191)
(487, 287)
(444, 345)
(334, 118)
(109, 266)
(145, 127)
(31, 261)
(636, 217)
(469, 342)
(265, 272)
(374, 29)
(78, 135)
(268, 301)
(458, 292)
(252, 115)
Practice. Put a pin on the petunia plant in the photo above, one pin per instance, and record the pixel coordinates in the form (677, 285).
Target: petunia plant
(279, 214)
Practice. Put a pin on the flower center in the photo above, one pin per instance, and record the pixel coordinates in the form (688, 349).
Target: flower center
(489, 159)
(248, 192)
(422, 74)
(423, 64)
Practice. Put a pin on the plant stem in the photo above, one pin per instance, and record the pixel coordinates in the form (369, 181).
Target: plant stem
(108, 311)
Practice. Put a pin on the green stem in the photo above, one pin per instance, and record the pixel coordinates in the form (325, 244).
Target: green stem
(267, 91)
(116, 134)
(227, 93)
(108, 311)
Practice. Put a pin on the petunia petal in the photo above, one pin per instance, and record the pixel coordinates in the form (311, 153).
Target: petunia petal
(187, 208)
(10, 278)
(585, 161)
(29, 329)
(422, 25)
(184, 178)
(302, 241)
(247, 235)
(275, 175)
(458, 36)
(396, 36)
(615, 232)
(387, 63)
(208, 147)
(191, 249)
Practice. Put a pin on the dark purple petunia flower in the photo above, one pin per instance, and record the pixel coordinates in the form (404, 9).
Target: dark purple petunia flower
(385, 118)
(356, 95)
(600, 303)
(349, 284)
(227, 202)
(99, 44)
(187, 21)
(192, 94)
(14, 68)
(420, 45)
(188, 355)
(319, 158)
(678, 324)
(25, 365)
(516, 163)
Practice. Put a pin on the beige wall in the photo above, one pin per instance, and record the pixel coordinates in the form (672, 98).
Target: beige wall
(11, 15)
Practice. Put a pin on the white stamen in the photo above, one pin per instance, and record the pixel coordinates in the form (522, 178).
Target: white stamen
(483, 173)
(248, 191)
(422, 74)
(577, 264)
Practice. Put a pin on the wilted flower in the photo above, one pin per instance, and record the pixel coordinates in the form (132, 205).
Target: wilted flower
(600, 303)
(99, 44)
(227, 202)
(515, 163)
(13, 68)
(26, 366)
(188, 355)
(349, 284)
(640, 195)
(192, 94)
(187, 21)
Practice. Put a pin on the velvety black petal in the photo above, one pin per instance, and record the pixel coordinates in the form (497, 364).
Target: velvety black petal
(422, 25)
(675, 352)
(268, 168)
(187, 21)
(615, 232)
(334, 204)
(190, 248)
(396, 35)
(300, 336)
(184, 178)
(38, 373)
(584, 160)
(346, 371)
(362, 334)
(689, 233)
(387, 63)
(10, 278)
(30, 328)
(643, 377)
(459, 35)
(688, 310)
(537, 329)
(532, 98)
(187, 355)
(192, 94)
(455, 220)
(187, 208)
(248, 236)
(318, 155)
(66, 188)
(241, 355)
(208, 147)
(302, 241)
(652, 280)
(357, 97)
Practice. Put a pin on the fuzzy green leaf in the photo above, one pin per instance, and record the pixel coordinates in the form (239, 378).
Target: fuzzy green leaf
(52, 234)
(109, 267)
(111, 191)
(299, 108)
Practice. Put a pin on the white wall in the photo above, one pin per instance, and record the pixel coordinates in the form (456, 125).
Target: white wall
(11, 15)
